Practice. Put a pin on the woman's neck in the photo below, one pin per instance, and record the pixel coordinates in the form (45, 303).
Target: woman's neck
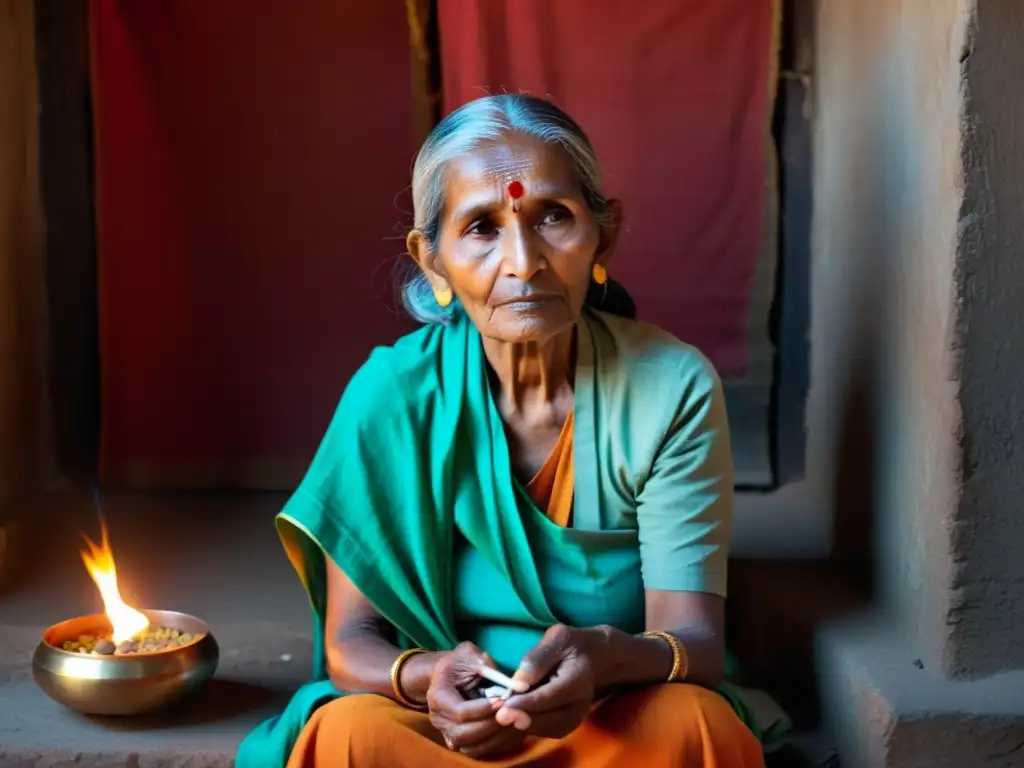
(533, 374)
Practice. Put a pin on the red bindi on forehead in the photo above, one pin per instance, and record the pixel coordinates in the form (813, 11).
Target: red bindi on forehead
(515, 190)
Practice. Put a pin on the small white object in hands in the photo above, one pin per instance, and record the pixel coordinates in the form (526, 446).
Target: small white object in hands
(496, 692)
(514, 686)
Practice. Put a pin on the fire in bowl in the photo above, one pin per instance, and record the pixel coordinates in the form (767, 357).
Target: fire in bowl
(123, 661)
(124, 684)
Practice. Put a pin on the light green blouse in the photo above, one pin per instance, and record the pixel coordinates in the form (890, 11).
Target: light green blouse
(652, 451)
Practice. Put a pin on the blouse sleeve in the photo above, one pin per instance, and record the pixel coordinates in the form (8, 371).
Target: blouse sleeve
(684, 509)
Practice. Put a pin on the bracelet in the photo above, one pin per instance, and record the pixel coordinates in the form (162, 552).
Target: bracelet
(680, 658)
(396, 679)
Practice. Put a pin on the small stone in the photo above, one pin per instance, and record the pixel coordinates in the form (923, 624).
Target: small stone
(286, 657)
(150, 640)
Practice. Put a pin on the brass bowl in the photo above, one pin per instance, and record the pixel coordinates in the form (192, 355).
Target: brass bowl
(123, 685)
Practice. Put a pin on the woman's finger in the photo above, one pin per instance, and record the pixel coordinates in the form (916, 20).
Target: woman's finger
(469, 655)
(558, 723)
(471, 711)
(463, 665)
(447, 700)
(464, 735)
(571, 683)
(503, 742)
(513, 718)
(541, 661)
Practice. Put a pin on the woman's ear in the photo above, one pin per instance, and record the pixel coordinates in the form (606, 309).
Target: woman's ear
(419, 249)
(609, 234)
(416, 245)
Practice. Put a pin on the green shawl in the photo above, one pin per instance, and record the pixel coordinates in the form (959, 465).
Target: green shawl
(416, 452)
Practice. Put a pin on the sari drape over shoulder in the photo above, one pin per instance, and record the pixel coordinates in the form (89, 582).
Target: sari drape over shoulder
(412, 495)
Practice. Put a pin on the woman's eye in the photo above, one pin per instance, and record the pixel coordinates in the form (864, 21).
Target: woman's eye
(482, 228)
(556, 216)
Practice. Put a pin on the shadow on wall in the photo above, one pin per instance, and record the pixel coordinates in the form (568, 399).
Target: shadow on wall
(869, 163)
(855, 488)
(869, 260)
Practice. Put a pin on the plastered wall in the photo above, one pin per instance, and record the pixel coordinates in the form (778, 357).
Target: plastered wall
(914, 436)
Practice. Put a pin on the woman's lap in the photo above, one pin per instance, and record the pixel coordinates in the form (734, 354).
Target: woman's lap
(658, 725)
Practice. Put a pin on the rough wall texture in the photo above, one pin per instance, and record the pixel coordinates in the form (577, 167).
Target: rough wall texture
(916, 426)
(884, 420)
(987, 615)
(25, 443)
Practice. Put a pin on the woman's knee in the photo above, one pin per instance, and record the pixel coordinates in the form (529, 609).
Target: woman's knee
(693, 697)
(348, 725)
(672, 696)
(354, 719)
(356, 712)
(678, 703)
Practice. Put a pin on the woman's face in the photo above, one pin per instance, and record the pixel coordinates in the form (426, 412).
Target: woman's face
(519, 267)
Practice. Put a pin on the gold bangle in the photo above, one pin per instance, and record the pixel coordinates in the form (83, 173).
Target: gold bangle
(680, 658)
(396, 682)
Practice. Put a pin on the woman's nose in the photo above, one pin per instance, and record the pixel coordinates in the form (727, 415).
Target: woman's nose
(522, 253)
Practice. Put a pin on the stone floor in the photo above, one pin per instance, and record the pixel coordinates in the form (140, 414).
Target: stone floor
(215, 556)
(212, 555)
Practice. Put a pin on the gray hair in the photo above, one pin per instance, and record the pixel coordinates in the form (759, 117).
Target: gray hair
(464, 130)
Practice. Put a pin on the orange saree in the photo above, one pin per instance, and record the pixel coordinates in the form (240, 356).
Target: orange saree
(660, 725)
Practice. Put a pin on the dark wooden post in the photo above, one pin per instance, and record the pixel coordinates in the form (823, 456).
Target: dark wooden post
(66, 172)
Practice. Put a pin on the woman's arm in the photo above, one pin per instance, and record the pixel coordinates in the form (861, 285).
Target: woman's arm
(615, 657)
(697, 619)
(684, 512)
(360, 644)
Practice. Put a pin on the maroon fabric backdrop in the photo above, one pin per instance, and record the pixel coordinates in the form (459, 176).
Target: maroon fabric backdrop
(674, 95)
(249, 155)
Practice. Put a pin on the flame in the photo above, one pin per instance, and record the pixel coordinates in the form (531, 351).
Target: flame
(99, 562)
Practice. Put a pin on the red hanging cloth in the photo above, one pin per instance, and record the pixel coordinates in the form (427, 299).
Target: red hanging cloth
(250, 156)
(674, 94)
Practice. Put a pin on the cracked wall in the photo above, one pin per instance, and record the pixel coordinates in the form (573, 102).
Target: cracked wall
(916, 343)
(987, 611)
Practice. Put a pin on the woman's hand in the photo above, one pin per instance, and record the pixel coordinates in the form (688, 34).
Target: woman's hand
(565, 668)
(467, 725)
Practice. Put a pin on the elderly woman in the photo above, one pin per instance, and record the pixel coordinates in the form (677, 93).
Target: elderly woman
(527, 483)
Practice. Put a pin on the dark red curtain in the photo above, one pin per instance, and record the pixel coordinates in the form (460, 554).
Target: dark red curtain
(675, 96)
(252, 159)
(251, 156)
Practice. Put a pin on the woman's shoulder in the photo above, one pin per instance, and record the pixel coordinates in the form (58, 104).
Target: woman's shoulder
(645, 351)
(396, 374)
(407, 353)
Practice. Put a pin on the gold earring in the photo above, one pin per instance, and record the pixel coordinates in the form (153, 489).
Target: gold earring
(600, 274)
(443, 296)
